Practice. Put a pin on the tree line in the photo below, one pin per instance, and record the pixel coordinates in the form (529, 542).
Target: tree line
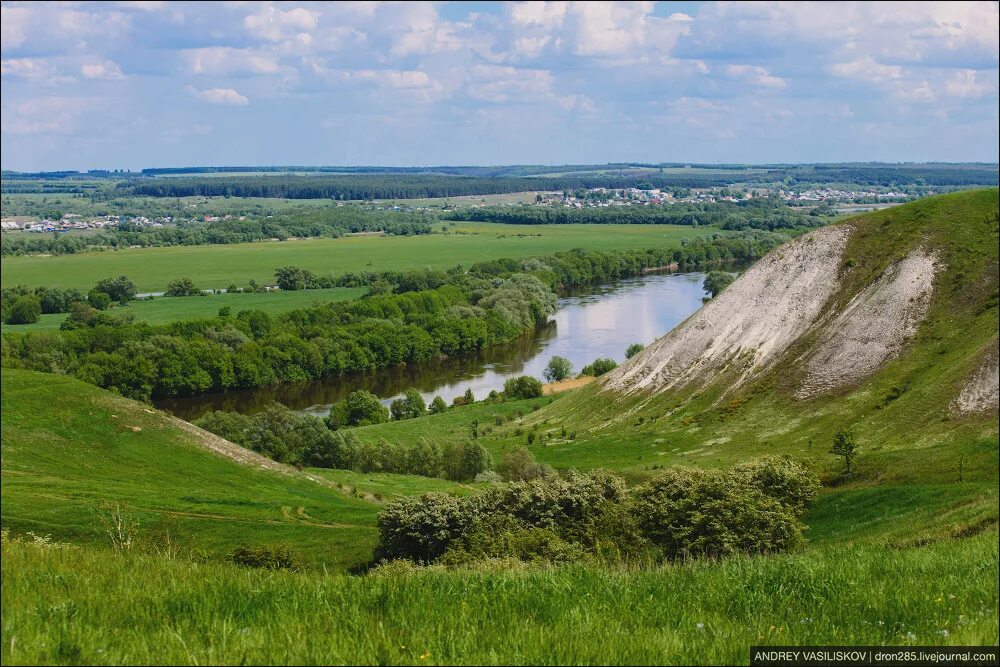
(398, 186)
(332, 222)
(767, 214)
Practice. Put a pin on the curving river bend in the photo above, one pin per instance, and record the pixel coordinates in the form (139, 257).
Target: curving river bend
(600, 322)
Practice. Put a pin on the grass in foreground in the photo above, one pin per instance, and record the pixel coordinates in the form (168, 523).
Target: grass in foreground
(75, 605)
(162, 310)
(216, 266)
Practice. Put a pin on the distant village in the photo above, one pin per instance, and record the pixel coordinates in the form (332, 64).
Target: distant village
(591, 198)
(74, 221)
(604, 197)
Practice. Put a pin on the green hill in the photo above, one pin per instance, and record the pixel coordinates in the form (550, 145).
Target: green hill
(71, 450)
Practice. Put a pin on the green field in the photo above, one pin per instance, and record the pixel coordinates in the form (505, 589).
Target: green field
(161, 310)
(217, 266)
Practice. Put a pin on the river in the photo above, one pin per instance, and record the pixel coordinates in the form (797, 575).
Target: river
(599, 322)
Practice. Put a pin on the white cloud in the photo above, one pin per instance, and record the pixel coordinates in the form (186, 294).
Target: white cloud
(964, 83)
(221, 96)
(221, 60)
(756, 75)
(274, 24)
(106, 70)
(867, 70)
(12, 26)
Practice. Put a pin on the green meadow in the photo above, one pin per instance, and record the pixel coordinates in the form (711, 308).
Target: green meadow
(58, 609)
(217, 266)
(161, 310)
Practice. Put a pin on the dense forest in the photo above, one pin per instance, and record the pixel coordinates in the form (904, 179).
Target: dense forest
(755, 214)
(329, 222)
(398, 186)
(417, 319)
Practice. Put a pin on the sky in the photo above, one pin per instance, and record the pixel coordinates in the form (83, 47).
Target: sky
(127, 85)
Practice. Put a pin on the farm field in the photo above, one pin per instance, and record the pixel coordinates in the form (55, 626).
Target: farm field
(217, 266)
(171, 309)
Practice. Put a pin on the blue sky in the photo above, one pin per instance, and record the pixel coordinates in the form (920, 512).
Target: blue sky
(143, 84)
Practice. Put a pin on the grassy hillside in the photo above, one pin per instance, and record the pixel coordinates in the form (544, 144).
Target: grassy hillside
(216, 266)
(56, 609)
(69, 448)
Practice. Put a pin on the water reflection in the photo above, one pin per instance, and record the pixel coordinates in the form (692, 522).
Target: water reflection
(599, 322)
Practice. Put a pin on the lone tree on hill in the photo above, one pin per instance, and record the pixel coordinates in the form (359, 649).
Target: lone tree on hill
(845, 447)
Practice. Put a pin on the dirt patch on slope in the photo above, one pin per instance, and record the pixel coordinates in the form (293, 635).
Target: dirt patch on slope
(566, 385)
(873, 328)
(981, 393)
(754, 320)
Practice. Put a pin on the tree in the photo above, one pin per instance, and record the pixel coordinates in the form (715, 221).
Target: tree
(521, 387)
(559, 369)
(599, 367)
(845, 447)
(716, 281)
(360, 408)
(409, 406)
(24, 310)
(182, 287)
(468, 396)
(634, 349)
(293, 278)
(98, 299)
(119, 289)
(438, 405)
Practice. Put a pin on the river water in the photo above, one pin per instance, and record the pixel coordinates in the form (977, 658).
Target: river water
(600, 322)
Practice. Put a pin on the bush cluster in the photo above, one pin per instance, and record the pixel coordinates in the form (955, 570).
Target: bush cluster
(753, 508)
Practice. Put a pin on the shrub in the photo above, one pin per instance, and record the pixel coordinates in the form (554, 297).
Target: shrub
(634, 349)
(503, 536)
(693, 513)
(98, 299)
(266, 557)
(225, 311)
(24, 310)
(466, 461)
(421, 528)
(716, 281)
(522, 387)
(182, 287)
(559, 369)
(438, 406)
(119, 289)
(599, 367)
(409, 406)
(518, 464)
(360, 408)
(781, 477)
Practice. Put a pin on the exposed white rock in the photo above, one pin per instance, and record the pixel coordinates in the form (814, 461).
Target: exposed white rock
(752, 322)
(874, 327)
(981, 392)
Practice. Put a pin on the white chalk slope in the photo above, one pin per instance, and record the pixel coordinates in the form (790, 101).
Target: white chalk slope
(786, 295)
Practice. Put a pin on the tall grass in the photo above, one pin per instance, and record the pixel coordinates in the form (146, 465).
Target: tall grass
(66, 605)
